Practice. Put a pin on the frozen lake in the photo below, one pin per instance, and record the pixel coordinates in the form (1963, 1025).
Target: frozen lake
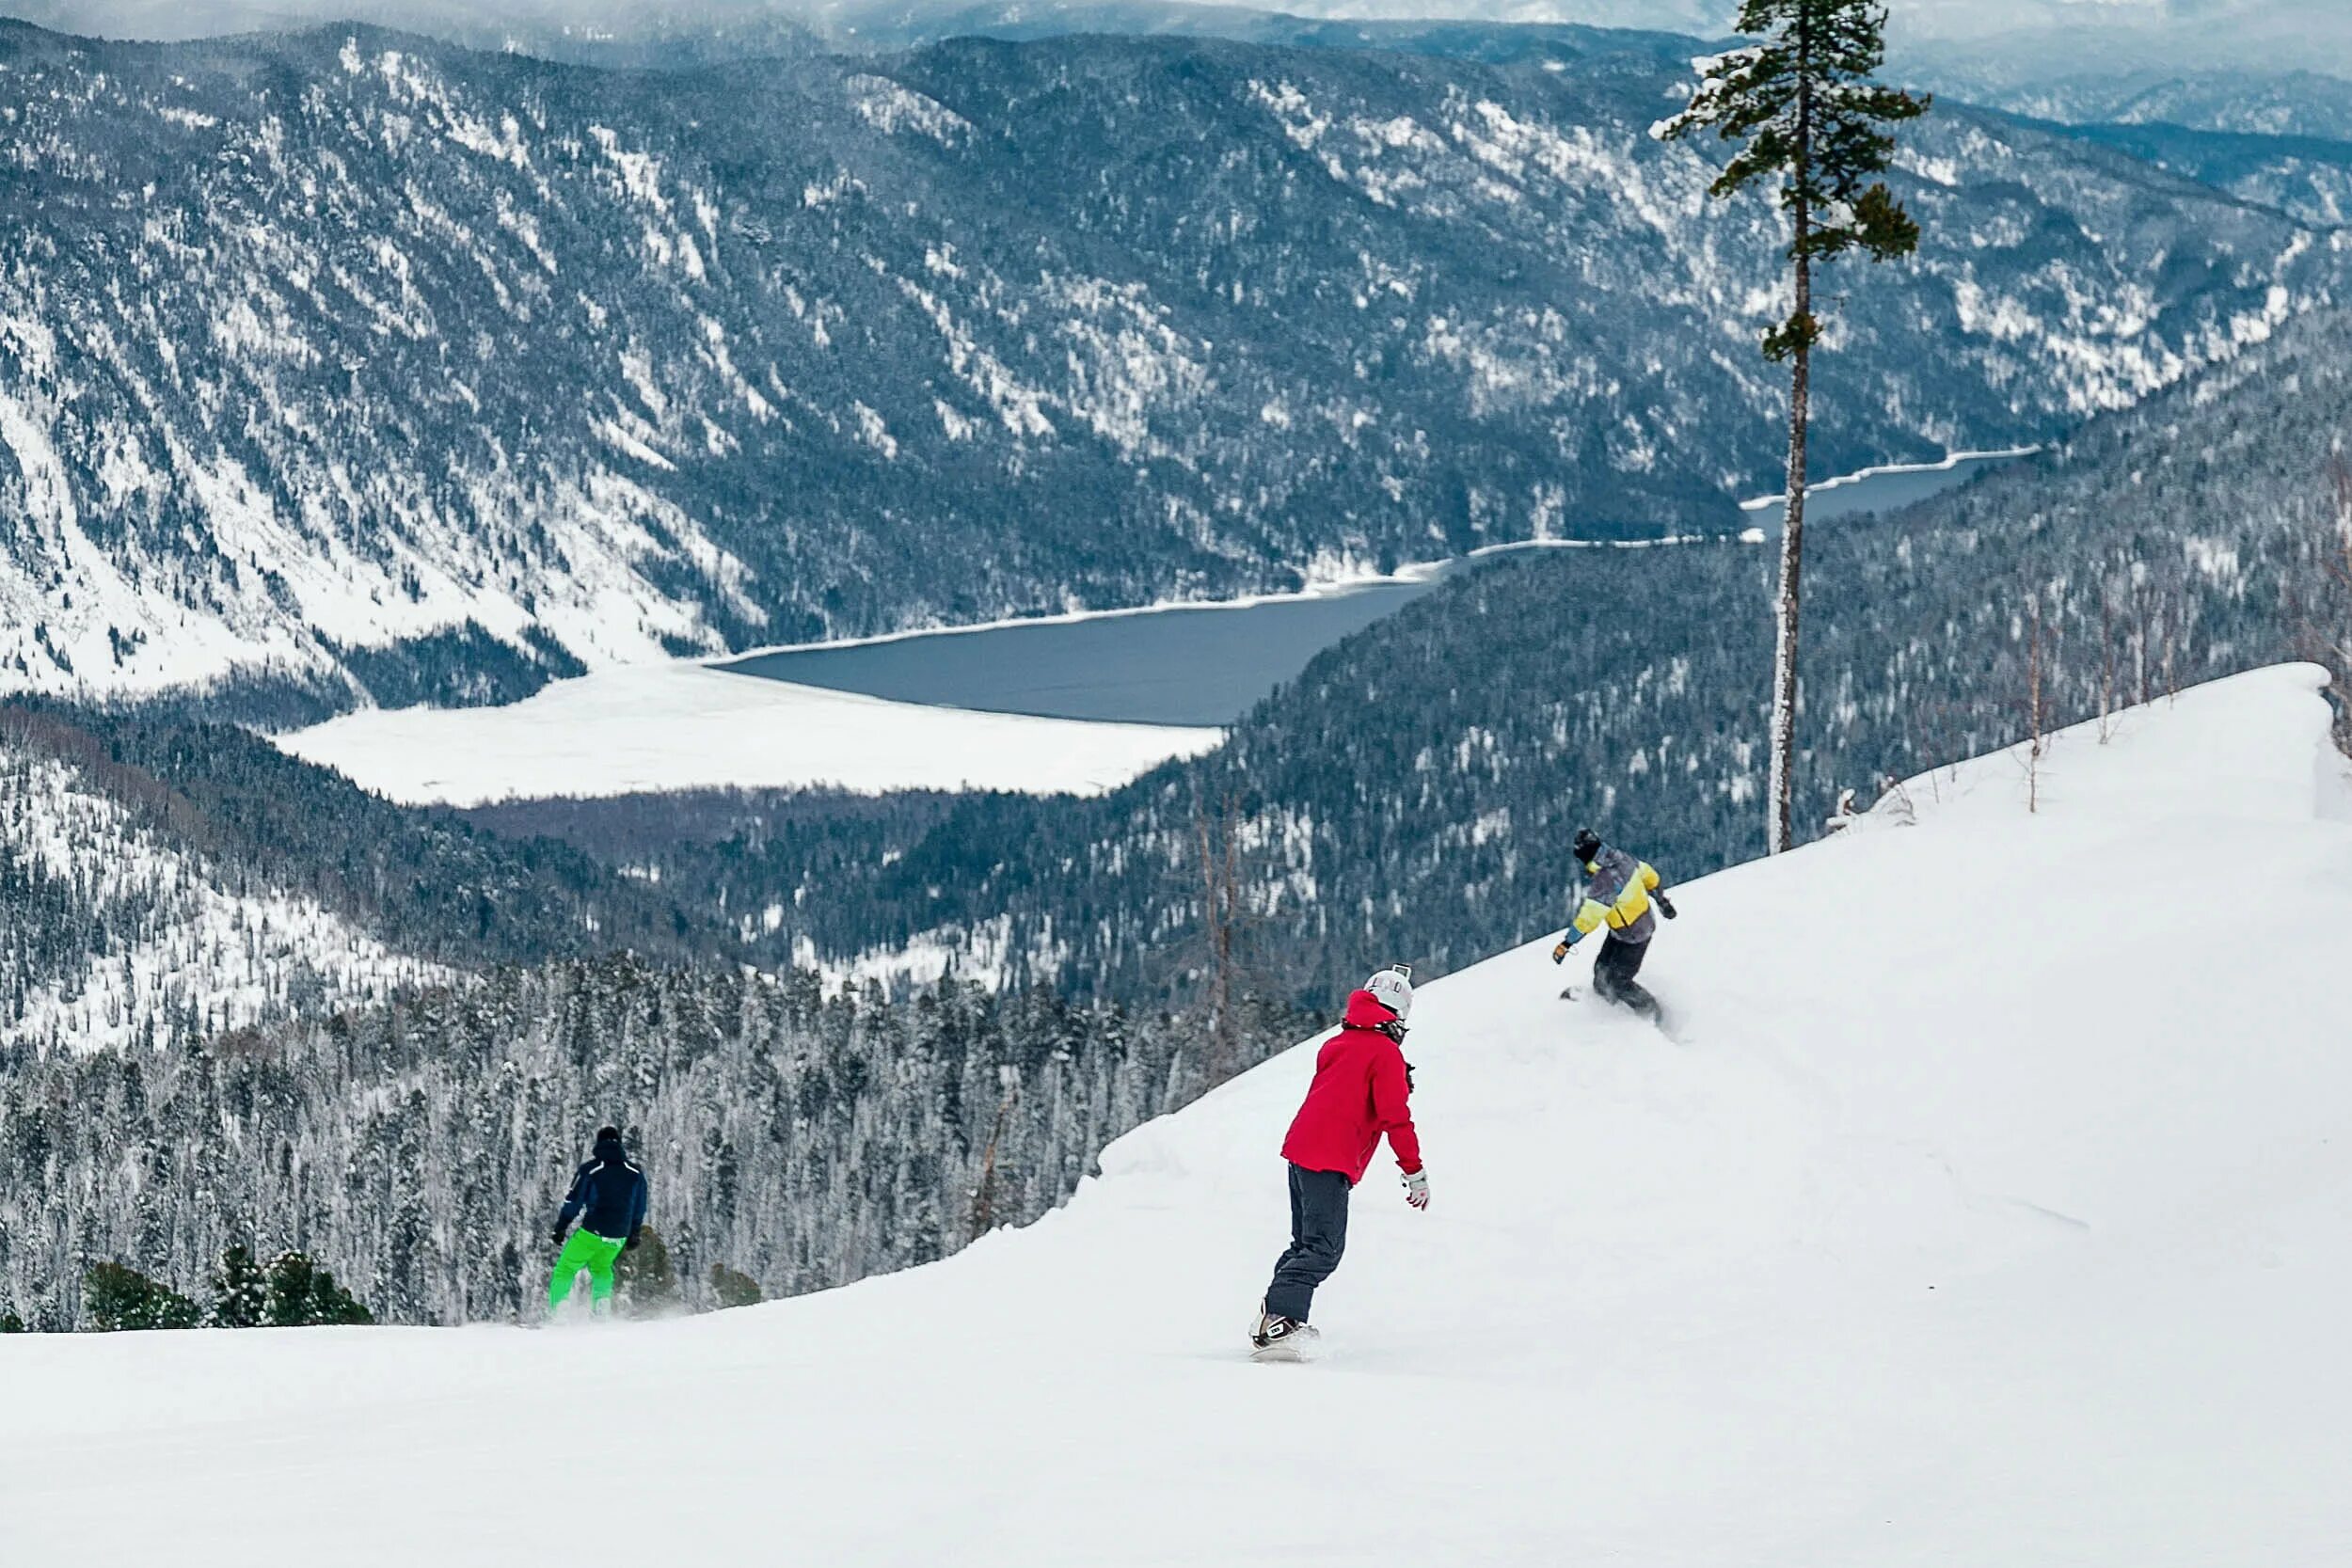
(1194, 665)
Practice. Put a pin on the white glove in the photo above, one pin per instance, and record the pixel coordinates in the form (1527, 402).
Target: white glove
(1417, 1188)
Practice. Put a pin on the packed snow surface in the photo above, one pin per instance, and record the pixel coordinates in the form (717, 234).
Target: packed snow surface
(686, 727)
(1991, 1204)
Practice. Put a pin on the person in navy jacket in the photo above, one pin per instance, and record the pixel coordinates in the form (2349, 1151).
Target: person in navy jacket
(607, 1197)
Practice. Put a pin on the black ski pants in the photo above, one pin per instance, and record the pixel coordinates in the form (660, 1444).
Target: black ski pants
(1318, 1236)
(1614, 971)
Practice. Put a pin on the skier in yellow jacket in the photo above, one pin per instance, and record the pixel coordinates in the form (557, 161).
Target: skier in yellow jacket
(1619, 892)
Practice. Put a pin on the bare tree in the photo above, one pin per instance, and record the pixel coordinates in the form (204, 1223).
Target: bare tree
(2107, 665)
(1936, 736)
(983, 1217)
(1223, 873)
(2140, 636)
(2037, 709)
(2322, 608)
(2175, 622)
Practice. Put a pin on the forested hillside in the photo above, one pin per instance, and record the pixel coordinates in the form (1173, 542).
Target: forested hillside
(1412, 795)
(162, 881)
(346, 367)
(113, 934)
(420, 1149)
(243, 1004)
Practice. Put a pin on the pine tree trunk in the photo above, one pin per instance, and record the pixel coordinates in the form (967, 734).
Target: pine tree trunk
(1217, 915)
(1784, 740)
(1783, 743)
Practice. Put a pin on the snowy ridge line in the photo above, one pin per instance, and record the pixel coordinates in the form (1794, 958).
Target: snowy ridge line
(1884, 470)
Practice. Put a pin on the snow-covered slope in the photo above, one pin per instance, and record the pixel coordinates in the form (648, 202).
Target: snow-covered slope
(1992, 1204)
(683, 725)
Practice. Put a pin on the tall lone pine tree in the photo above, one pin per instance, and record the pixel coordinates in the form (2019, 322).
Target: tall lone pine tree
(1804, 107)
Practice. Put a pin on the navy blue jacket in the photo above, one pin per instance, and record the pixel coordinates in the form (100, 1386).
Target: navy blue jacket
(608, 1195)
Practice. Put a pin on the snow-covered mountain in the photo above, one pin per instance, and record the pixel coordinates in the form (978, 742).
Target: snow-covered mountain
(1985, 1206)
(353, 367)
(687, 27)
(2253, 67)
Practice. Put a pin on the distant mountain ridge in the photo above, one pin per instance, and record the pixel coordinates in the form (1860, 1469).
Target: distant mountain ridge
(2284, 101)
(2309, 177)
(344, 367)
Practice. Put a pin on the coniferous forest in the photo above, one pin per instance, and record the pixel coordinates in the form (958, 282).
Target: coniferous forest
(793, 1139)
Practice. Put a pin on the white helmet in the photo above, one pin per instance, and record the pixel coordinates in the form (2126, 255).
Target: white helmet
(1393, 988)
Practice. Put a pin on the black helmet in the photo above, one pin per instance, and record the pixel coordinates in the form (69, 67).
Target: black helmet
(1587, 845)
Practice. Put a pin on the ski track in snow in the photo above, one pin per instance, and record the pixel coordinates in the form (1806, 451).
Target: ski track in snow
(1996, 1209)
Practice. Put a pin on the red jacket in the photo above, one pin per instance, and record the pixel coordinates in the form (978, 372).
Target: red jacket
(1359, 1093)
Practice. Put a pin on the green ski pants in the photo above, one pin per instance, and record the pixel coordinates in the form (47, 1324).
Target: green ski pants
(590, 1251)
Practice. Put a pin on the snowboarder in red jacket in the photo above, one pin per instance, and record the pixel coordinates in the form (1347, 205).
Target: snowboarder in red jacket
(1359, 1091)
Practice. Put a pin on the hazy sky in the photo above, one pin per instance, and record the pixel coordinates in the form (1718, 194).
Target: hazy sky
(2183, 33)
(160, 17)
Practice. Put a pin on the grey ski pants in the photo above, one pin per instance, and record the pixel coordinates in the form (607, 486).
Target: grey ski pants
(1318, 1236)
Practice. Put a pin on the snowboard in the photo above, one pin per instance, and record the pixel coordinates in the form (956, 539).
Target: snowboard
(1655, 1013)
(1302, 1346)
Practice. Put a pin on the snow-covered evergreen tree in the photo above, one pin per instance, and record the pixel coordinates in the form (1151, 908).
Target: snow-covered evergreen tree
(794, 1139)
(119, 1298)
(241, 1293)
(303, 1295)
(644, 1283)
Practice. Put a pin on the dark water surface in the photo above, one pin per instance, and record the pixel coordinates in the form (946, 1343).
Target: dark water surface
(1880, 492)
(1204, 666)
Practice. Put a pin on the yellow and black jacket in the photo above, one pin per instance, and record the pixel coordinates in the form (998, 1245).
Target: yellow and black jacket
(1617, 897)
